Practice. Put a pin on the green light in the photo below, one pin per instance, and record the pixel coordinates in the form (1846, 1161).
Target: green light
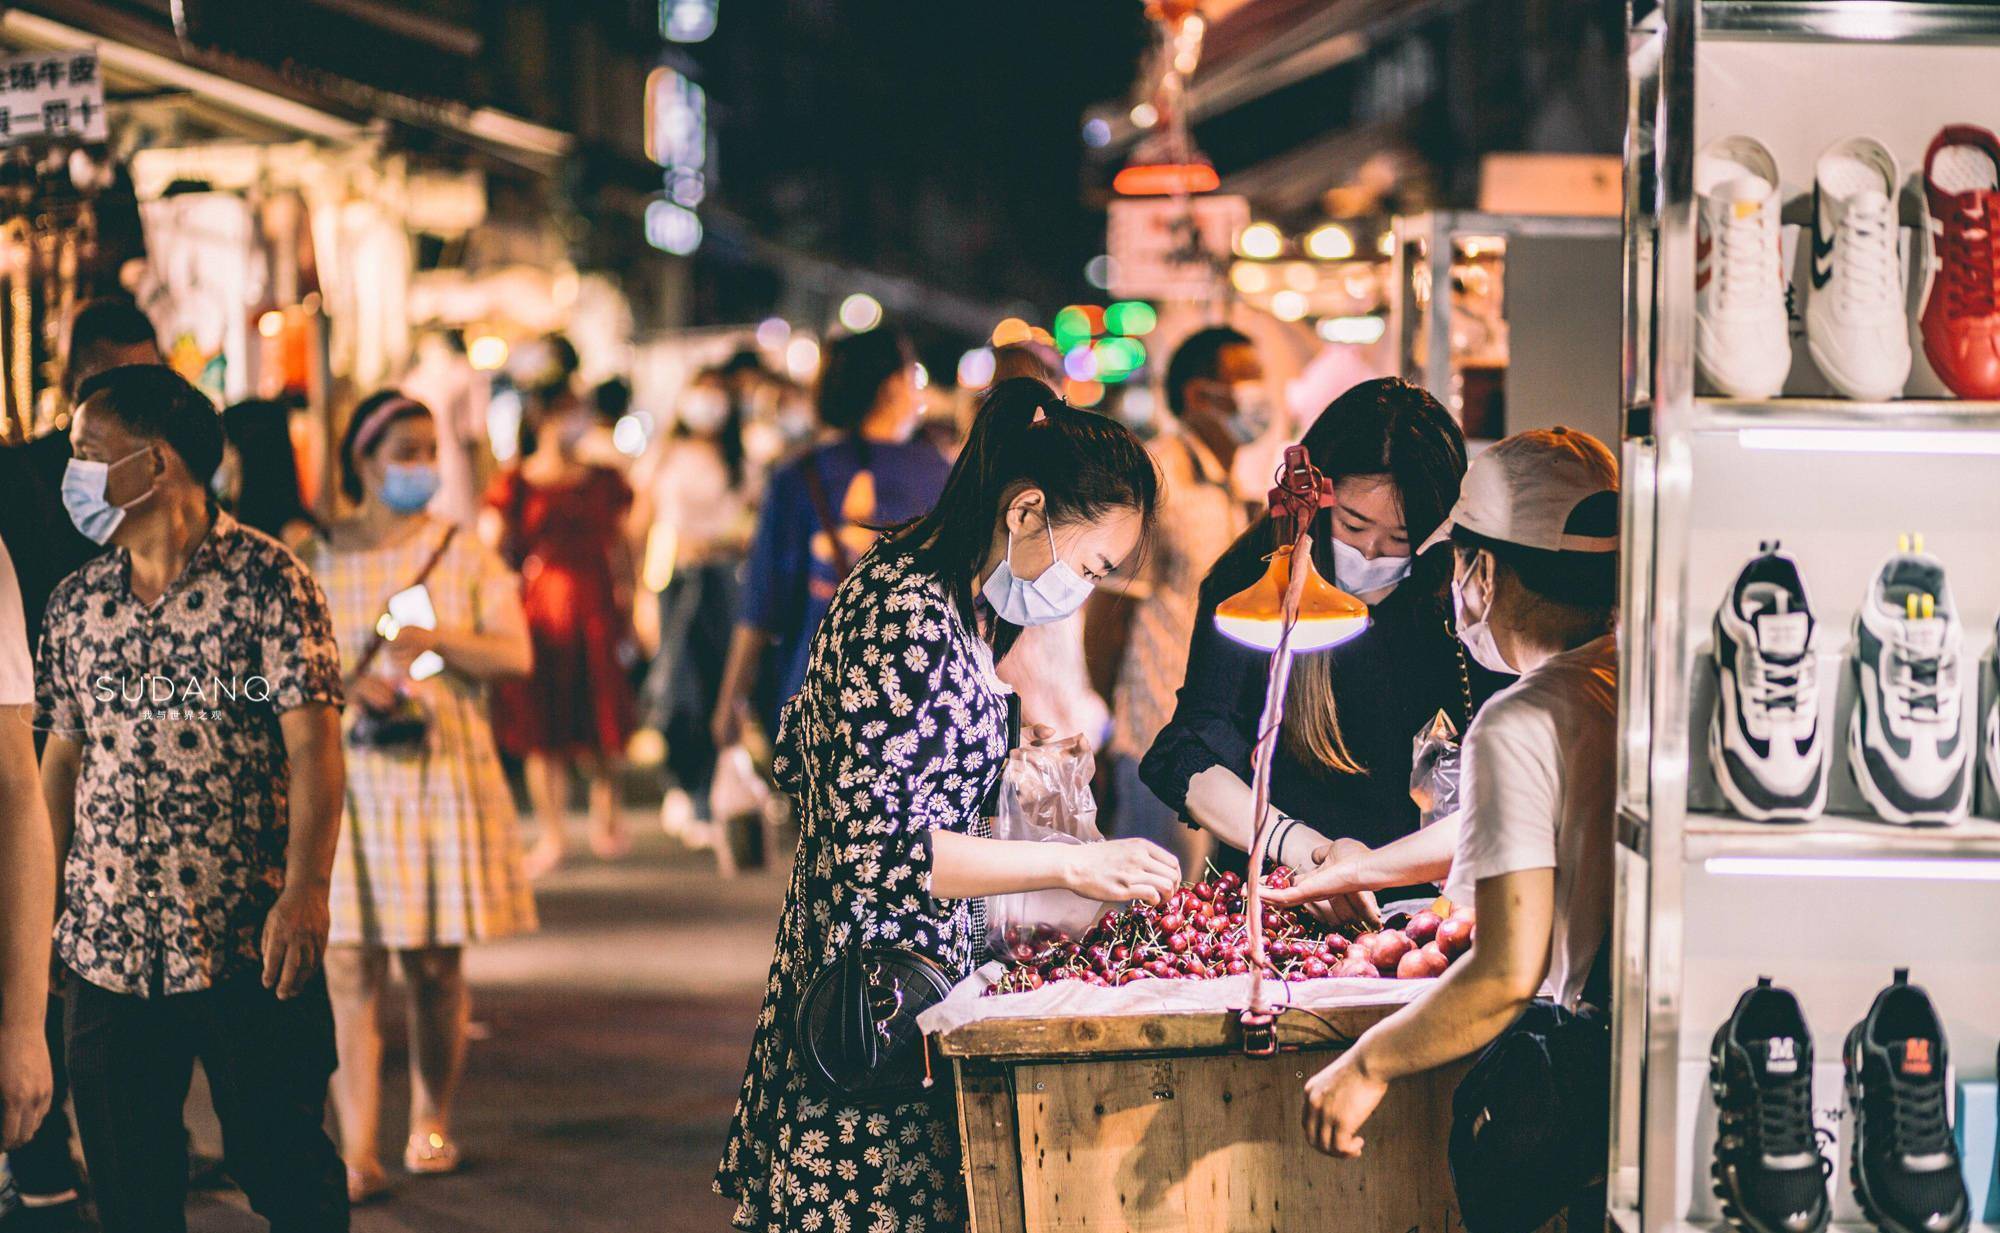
(1133, 318)
(1072, 326)
(1118, 358)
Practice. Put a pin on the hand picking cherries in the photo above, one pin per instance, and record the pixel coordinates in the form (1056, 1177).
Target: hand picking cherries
(1199, 933)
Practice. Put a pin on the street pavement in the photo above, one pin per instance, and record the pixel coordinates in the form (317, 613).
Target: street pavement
(598, 1093)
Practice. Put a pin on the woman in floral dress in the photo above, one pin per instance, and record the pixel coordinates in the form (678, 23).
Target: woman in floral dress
(889, 751)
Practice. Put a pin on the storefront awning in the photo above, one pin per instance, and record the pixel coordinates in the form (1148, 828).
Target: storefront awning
(249, 99)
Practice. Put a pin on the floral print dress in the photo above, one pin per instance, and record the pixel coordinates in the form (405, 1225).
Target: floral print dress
(899, 730)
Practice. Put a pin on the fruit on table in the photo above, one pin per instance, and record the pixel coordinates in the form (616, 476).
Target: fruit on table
(1200, 932)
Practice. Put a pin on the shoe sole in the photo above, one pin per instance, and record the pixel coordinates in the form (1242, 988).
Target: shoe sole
(1857, 766)
(1852, 390)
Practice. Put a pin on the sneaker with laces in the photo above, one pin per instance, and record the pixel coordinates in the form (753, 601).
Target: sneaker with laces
(1769, 1171)
(1961, 319)
(1909, 744)
(1765, 744)
(1906, 1172)
(1743, 342)
(1856, 324)
(1993, 724)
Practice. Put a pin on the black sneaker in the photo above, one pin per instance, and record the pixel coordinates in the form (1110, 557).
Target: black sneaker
(1768, 1169)
(1906, 1171)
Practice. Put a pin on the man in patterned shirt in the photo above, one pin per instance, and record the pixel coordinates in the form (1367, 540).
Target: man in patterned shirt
(191, 689)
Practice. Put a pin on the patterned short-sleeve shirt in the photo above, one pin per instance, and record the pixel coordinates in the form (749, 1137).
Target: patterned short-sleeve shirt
(182, 811)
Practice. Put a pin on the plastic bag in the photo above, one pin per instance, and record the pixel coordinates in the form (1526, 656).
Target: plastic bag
(1434, 769)
(1045, 797)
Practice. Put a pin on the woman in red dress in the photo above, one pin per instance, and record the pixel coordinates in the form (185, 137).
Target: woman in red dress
(559, 520)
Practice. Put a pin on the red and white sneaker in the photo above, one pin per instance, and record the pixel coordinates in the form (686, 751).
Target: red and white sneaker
(1961, 319)
(1742, 339)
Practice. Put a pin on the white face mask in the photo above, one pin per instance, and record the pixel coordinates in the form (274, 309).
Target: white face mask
(1055, 593)
(1358, 575)
(83, 485)
(1252, 418)
(1477, 635)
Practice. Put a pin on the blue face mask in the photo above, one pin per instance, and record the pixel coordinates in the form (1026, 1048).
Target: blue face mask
(83, 485)
(408, 487)
(1055, 593)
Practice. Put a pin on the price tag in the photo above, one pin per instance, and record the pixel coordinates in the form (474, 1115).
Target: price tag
(52, 95)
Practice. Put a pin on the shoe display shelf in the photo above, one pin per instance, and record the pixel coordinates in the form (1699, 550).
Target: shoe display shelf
(1707, 901)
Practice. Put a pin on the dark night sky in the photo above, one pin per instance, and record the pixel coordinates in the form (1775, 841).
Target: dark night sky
(936, 140)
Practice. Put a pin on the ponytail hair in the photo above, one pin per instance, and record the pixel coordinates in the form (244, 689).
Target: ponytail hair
(1087, 466)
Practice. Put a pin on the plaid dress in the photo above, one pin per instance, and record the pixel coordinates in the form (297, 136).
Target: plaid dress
(429, 847)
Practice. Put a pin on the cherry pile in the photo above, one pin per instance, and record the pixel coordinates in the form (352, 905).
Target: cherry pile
(1199, 933)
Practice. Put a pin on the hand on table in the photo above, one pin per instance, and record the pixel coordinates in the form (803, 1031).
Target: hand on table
(1332, 891)
(1119, 870)
(1339, 1100)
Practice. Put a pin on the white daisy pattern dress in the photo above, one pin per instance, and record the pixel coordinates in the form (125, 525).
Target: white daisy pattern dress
(899, 731)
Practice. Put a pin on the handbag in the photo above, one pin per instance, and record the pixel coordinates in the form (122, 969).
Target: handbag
(1537, 1104)
(408, 724)
(856, 1024)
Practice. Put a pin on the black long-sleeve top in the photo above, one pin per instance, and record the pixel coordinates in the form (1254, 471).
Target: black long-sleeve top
(1388, 682)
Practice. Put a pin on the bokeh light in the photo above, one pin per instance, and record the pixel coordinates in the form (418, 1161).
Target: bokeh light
(772, 333)
(1134, 318)
(861, 312)
(975, 368)
(1288, 305)
(1331, 242)
(801, 358)
(1012, 331)
(1260, 241)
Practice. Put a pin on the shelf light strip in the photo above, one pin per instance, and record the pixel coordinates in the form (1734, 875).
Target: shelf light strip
(1959, 870)
(1870, 441)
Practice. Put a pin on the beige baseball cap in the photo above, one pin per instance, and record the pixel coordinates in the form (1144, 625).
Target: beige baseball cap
(1553, 489)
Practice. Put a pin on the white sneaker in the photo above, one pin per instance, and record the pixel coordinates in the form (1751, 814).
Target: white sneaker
(1742, 340)
(1857, 326)
(1765, 744)
(1909, 742)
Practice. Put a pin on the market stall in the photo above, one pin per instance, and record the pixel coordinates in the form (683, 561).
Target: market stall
(1160, 1120)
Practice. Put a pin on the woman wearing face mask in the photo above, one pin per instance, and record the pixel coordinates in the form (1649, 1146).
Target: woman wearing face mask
(1342, 770)
(693, 513)
(429, 858)
(889, 752)
(561, 522)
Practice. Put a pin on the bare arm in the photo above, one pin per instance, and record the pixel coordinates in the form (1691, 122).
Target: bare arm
(295, 931)
(1346, 865)
(964, 866)
(28, 891)
(62, 757)
(1473, 1003)
(739, 677)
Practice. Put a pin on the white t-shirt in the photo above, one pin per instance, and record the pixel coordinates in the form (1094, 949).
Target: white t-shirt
(17, 667)
(1539, 792)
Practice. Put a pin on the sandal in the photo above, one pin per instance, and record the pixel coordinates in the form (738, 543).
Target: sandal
(431, 1155)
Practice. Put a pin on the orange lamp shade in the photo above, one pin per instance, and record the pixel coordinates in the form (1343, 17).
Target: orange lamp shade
(1255, 616)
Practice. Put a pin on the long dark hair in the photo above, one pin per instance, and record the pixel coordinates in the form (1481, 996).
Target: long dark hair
(1087, 466)
(1381, 427)
(267, 470)
(728, 438)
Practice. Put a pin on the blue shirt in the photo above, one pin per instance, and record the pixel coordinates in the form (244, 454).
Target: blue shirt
(791, 575)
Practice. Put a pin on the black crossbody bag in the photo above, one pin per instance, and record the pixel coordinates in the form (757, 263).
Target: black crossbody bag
(856, 1023)
(1531, 1121)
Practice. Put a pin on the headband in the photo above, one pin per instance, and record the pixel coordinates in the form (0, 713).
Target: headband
(378, 420)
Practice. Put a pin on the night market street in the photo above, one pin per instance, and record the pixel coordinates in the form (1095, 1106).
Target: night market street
(617, 1038)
